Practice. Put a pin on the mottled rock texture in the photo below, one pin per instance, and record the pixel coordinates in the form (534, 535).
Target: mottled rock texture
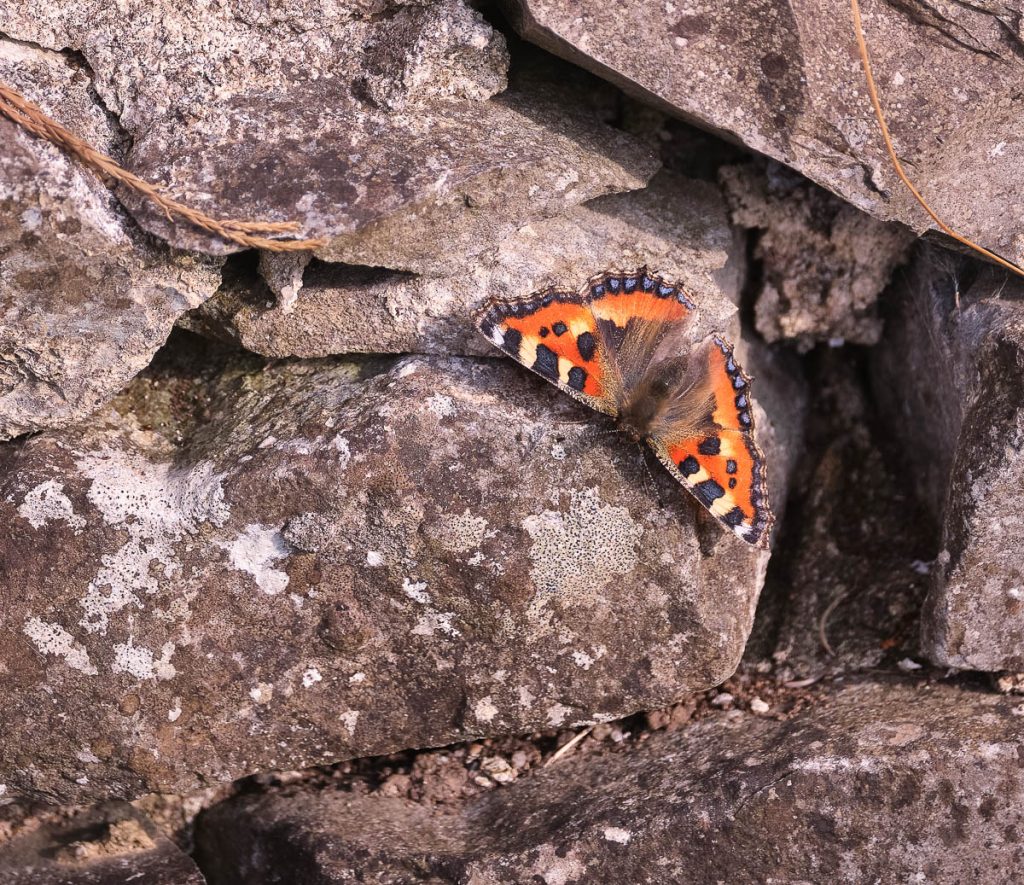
(675, 225)
(823, 262)
(377, 125)
(107, 844)
(881, 783)
(85, 299)
(950, 373)
(785, 79)
(285, 566)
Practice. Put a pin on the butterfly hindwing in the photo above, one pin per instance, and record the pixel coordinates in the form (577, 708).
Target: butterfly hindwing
(721, 464)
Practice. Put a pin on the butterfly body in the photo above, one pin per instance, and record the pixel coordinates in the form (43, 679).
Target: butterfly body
(622, 345)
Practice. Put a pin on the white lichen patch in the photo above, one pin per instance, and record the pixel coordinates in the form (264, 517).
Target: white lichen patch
(374, 559)
(340, 445)
(158, 505)
(484, 709)
(433, 621)
(52, 639)
(311, 677)
(262, 692)
(349, 719)
(416, 591)
(459, 533)
(255, 551)
(47, 502)
(440, 405)
(577, 552)
(617, 834)
(557, 714)
(138, 661)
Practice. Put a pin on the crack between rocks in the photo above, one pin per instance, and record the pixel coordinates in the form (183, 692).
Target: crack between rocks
(736, 812)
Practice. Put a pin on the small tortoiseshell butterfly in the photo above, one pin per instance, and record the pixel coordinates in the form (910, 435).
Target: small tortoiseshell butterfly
(621, 346)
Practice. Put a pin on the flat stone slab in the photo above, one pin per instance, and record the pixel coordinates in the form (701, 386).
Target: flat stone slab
(285, 566)
(85, 298)
(881, 782)
(107, 844)
(389, 138)
(675, 225)
(950, 373)
(785, 79)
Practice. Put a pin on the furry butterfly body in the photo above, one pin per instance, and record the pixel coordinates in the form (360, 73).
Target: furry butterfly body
(622, 345)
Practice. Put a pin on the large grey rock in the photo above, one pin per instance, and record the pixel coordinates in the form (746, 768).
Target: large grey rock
(950, 376)
(280, 568)
(784, 78)
(372, 124)
(85, 299)
(889, 783)
(676, 225)
(107, 844)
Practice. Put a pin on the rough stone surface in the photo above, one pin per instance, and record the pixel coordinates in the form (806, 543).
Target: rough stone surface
(785, 79)
(313, 561)
(369, 124)
(823, 262)
(880, 783)
(950, 375)
(85, 299)
(107, 844)
(676, 225)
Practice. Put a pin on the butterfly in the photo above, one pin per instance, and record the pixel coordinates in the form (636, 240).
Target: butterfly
(622, 345)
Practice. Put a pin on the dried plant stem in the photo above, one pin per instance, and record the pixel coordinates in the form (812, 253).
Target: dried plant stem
(862, 45)
(245, 233)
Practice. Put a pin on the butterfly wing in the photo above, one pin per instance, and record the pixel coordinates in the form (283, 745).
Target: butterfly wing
(594, 344)
(706, 441)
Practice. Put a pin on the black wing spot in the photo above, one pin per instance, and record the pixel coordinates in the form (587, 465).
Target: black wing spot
(732, 483)
(689, 466)
(586, 345)
(547, 362)
(577, 378)
(544, 332)
(708, 492)
(511, 341)
(730, 466)
(710, 446)
(734, 517)
(559, 328)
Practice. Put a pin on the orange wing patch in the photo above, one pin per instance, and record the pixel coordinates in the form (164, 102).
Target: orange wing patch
(724, 469)
(554, 334)
(619, 298)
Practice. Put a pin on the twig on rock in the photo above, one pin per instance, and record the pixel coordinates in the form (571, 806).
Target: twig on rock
(565, 748)
(31, 117)
(862, 45)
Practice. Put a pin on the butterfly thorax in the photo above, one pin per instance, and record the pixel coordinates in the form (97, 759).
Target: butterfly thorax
(645, 404)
